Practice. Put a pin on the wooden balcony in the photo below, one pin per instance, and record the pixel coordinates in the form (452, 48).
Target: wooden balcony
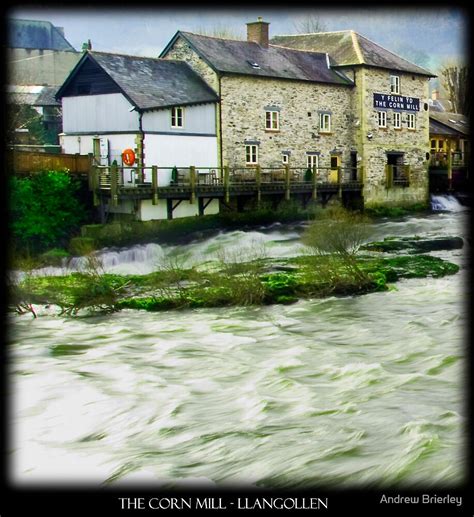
(191, 182)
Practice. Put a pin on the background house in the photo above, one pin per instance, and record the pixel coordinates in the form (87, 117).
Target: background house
(449, 147)
(39, 58)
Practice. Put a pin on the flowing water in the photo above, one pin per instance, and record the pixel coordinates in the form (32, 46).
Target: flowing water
(349, 391)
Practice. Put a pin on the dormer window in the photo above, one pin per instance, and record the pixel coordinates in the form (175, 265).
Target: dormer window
(253, 64)
(395, 84)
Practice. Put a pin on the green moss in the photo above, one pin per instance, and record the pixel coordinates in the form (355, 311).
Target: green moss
(315, 276)
(395, 211)
(80, 246)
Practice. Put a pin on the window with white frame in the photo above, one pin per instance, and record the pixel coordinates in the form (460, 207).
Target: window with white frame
(312, 160)
(395, 84)
(324, 122)
(411, 121)
(397, 120)
(272, 120)
(177, 117)
(382, 118)
(285, 158)
(251, 154)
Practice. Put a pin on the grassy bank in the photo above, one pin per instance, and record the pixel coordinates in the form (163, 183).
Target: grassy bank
(259, 282)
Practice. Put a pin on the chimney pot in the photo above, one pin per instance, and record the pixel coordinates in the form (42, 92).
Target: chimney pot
(258, 32)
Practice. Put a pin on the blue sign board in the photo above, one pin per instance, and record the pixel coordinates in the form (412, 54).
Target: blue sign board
(396, 102)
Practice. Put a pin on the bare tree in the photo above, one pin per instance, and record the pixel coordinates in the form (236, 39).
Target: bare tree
(309, 25)
(220, 31)
(454, 80)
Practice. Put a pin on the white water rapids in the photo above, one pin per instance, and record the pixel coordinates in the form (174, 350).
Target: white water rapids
(348, 392)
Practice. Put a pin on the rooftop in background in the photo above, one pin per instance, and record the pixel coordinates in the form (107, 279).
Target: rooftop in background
(32, 95)
(449, 123)
(348, 48)
(35, 34)
(148, 83)
(250, 58)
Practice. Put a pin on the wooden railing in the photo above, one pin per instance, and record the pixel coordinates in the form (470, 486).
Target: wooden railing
(25, 162)
(441, 159)
(116, 178)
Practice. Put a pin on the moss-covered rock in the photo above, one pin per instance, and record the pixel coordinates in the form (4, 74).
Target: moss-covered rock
(414, 244)
(312, 276)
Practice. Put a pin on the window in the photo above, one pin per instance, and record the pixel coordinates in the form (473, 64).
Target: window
(397, 120)
(325, 122)
(285, 159)
(272, 120)
(382, 118)
(394, 84)
(251, 154)
(177, 117)
(312, 160)
(411, 121)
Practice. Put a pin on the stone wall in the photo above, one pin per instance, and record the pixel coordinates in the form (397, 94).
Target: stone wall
(181, 50)
(242, 110)
(413, 143)
(244, 99)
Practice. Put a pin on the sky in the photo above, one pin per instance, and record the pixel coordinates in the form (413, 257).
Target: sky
(426, 35)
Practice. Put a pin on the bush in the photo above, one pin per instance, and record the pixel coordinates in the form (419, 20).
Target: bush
(44, 210)
(339, 233)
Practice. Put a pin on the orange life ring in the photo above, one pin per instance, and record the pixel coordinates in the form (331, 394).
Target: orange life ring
(128, 157)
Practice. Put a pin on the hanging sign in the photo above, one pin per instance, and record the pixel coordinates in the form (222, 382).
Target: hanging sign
(128, 157)
(396, 102)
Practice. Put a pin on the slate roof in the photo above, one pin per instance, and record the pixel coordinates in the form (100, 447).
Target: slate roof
(449, 123)
(151, 83)
(36, 34)
(440, 105)
(348, 48)
(236, 57)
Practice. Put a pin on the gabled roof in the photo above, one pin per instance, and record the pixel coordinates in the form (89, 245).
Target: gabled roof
(36, 34)
(249, 58)
(348, 48)
(449, 123)
(148, 83)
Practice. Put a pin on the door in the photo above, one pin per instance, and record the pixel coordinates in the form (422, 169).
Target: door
(335, 164)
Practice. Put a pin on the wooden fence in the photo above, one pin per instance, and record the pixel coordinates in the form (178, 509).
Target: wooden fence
(24, 162)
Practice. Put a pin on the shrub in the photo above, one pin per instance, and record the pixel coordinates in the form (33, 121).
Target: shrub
(339, 233)
(44, 210)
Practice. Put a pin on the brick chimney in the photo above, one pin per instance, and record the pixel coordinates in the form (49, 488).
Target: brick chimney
(258, 32)
(435, 95)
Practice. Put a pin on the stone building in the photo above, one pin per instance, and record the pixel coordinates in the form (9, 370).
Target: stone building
(325, 99)
(39, 58)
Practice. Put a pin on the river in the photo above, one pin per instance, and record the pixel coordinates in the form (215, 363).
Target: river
(348, 392)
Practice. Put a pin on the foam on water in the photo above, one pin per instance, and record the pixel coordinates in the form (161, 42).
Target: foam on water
(340, 391)
(446, 203)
